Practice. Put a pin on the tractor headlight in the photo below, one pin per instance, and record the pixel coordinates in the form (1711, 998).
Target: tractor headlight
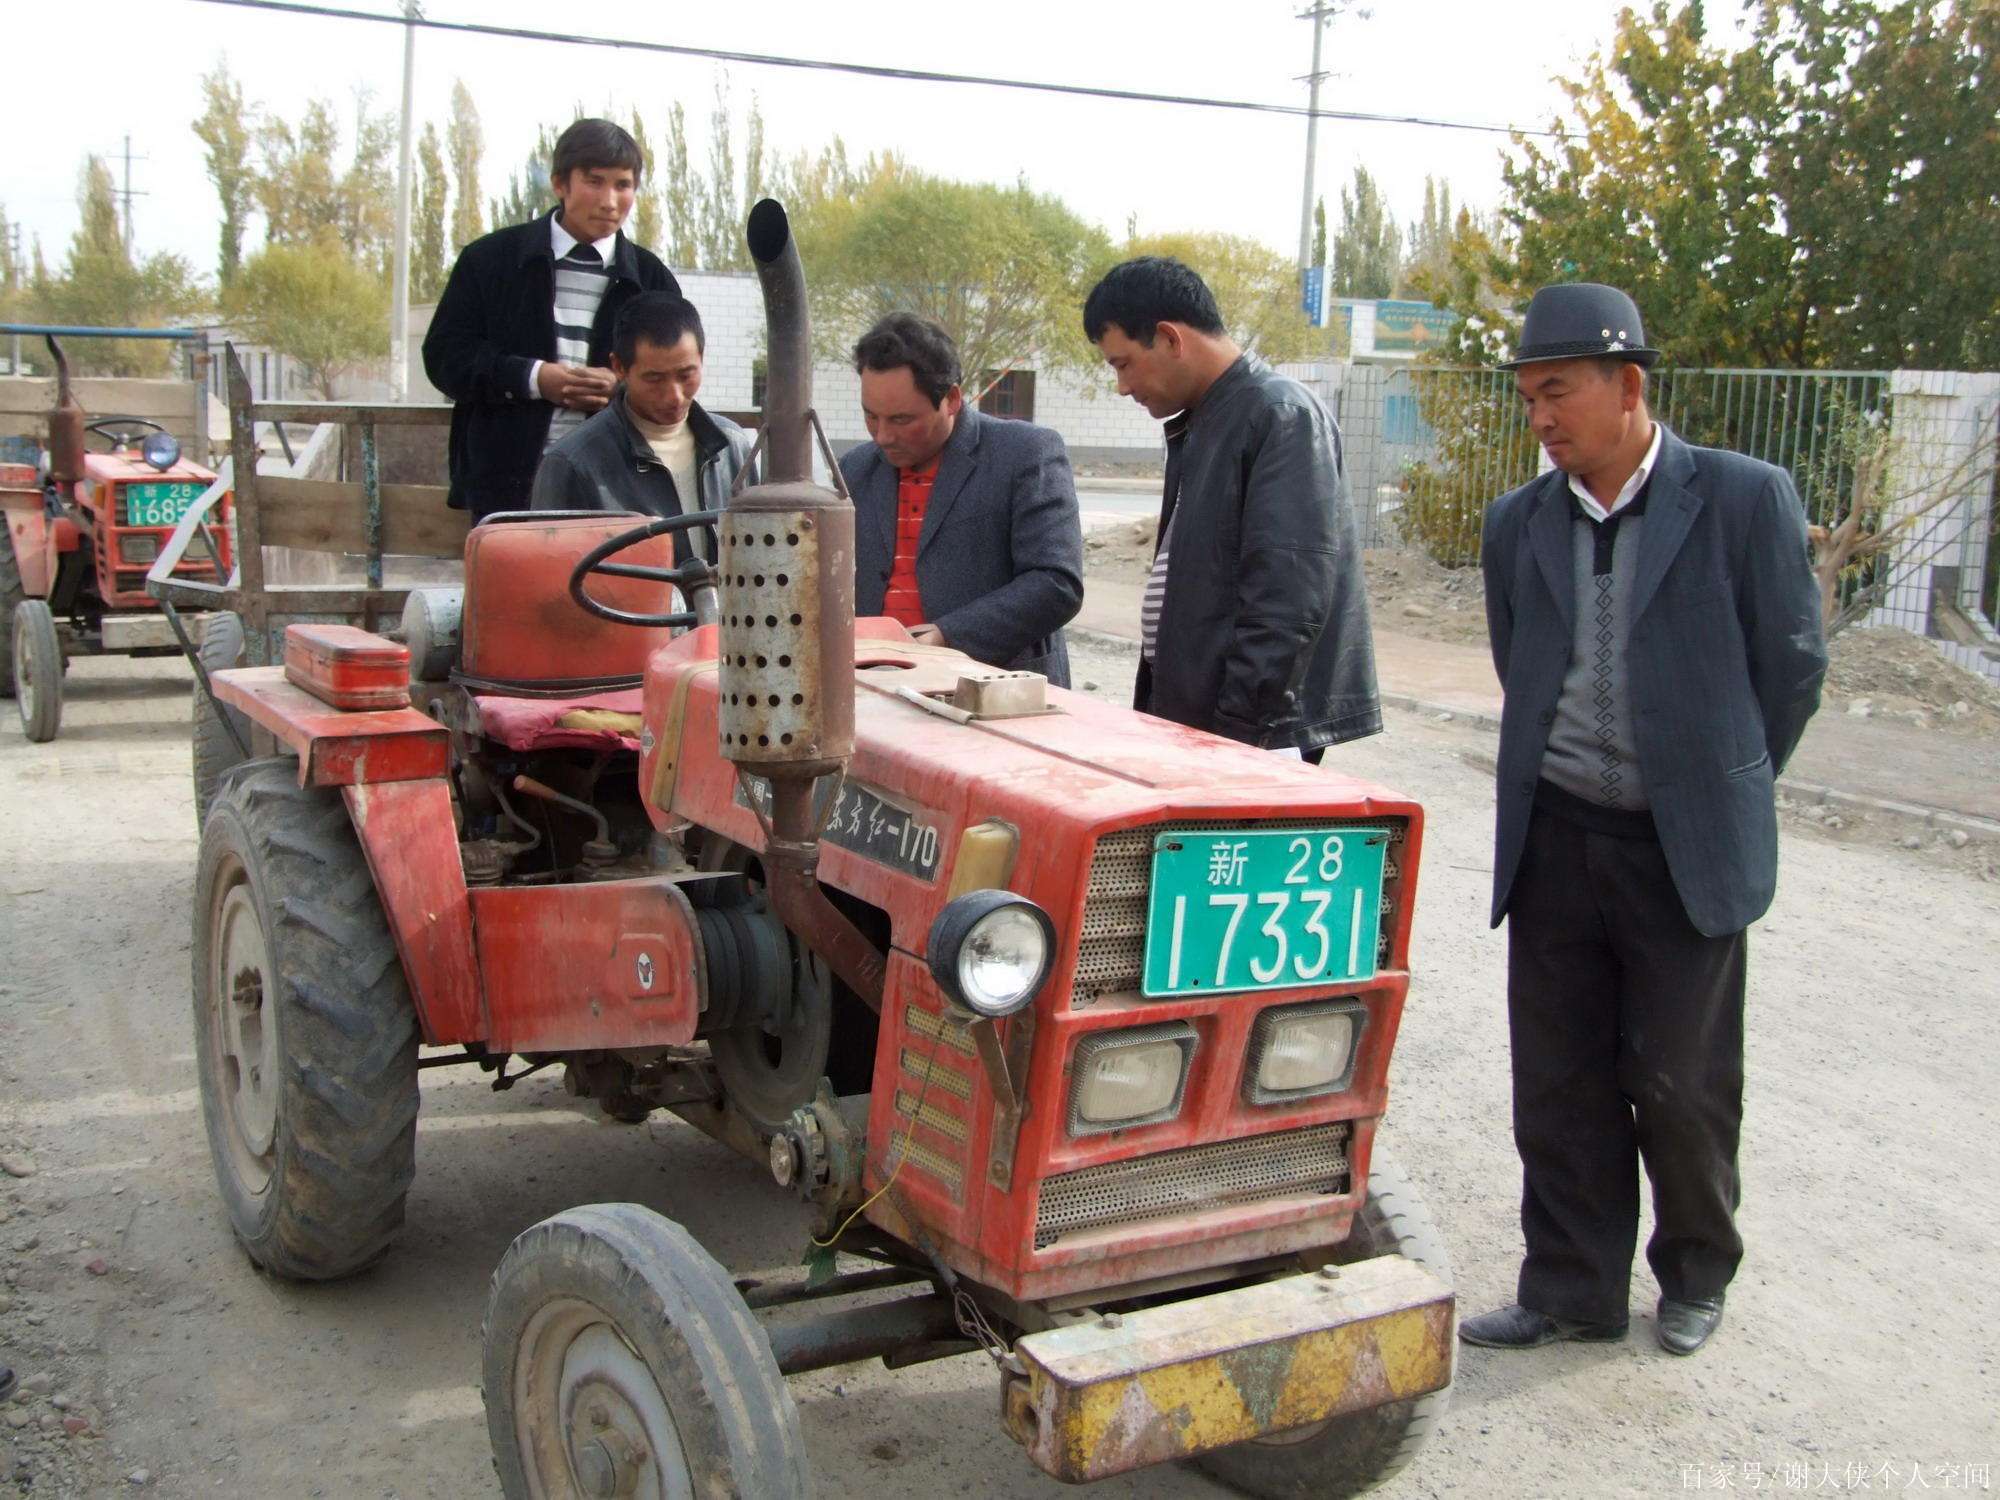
(990, 951)
(1131, 1077)
(138, 549)
(1297, 1051)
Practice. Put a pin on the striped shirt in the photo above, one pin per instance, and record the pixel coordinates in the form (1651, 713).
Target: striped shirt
(1155, 597)
(583, 272)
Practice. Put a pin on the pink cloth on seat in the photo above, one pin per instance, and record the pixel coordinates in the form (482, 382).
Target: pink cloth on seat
(531, 723)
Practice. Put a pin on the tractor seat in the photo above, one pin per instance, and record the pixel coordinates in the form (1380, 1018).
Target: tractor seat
(523, 634)
(600, 721)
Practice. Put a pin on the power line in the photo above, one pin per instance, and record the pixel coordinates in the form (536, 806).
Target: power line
(870, 70)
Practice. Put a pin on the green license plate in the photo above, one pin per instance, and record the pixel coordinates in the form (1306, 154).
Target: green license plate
(160, 504)
(1235, 909)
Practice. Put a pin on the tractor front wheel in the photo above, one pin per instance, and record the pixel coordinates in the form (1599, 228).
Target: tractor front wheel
(619, 1359)
(215, 751)
(305, 1037)
(38, 670)
(1345, 1455)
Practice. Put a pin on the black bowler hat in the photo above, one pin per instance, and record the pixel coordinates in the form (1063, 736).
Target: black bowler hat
(1581, 320)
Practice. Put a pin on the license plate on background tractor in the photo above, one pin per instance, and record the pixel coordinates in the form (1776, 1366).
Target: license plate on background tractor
(160, 503)
(1239, 909)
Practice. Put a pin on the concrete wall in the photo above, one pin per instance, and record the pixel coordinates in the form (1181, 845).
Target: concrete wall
(25, 402)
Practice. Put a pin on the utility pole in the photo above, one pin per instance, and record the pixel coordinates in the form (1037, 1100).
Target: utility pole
(399, 313)
(1321, 9)
(128, 195)
(14, 261)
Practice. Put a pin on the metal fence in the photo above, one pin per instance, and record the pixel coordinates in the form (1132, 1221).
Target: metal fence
(1430, 448)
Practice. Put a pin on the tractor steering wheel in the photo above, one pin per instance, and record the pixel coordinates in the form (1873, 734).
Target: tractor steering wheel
(122, 432)
(691, 575)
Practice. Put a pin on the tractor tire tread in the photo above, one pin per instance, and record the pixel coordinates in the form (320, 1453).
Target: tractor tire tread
(214, 752)
(350, 1030)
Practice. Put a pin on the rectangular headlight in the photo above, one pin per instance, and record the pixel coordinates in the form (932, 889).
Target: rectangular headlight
(1130, 1077)
(138, 549)
(1297, 1051)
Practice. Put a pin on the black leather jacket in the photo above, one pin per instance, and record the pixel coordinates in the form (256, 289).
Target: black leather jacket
(1264, 633)
(606, 465)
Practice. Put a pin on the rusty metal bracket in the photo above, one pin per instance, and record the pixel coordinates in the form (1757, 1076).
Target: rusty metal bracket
(201, 675)
(826, 452)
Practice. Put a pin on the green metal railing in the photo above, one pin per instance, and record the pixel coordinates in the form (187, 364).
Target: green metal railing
(1468, 442)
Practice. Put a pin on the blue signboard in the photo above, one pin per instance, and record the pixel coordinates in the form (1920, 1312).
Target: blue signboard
(1312, 294)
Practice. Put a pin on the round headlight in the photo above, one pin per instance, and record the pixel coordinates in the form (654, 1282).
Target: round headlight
(990, 952)
(162, 450)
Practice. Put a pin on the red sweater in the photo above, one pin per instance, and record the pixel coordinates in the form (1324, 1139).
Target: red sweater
(901, 601)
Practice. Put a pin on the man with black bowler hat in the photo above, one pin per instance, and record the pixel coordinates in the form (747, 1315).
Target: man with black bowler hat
(1657, 634)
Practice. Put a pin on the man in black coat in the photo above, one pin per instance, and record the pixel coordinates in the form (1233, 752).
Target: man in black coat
(966, 526)
(1656, 629)
(1254, 623)
(520, 337)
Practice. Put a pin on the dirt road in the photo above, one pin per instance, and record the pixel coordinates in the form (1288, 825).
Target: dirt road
(1858, 1341)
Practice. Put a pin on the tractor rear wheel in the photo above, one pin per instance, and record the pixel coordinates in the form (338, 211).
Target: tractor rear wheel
(305, 1037)
(1346, 1455)
(11, 594)
(619, 1359)
(214, 751)
(38, 670)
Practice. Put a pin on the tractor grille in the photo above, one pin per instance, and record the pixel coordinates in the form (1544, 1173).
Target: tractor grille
(1313, 1160)
(1111, 955)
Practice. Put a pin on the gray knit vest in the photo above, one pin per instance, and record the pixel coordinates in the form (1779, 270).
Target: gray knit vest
(1592, 752)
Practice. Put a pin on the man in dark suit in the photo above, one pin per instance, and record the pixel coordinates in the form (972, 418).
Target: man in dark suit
(1657, 633)
(965, 526)
(521, 335)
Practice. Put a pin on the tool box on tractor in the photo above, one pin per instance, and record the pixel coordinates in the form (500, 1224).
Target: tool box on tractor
(82, 529)
(1073, 1025)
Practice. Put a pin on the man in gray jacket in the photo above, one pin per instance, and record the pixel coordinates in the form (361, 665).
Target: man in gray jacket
(1254, 624)
(653, 450)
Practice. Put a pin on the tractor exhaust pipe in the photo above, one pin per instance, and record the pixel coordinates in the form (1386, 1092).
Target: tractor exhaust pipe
(787, 628)
(65, 425)
(788, 325)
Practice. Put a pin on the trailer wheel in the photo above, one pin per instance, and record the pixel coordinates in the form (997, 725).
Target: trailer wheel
(305, 1037)
(11, 595)
(214, 751)
(619, 1360)
(1347, 1455)
(38, 670)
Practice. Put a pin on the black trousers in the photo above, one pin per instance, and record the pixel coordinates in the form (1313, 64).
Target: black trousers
(1627, 1033)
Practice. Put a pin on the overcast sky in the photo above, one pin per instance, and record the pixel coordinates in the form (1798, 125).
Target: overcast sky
(1172, 167)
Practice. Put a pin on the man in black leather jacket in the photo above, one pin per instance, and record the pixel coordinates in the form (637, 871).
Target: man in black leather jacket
(654, 450)
(1255, 621)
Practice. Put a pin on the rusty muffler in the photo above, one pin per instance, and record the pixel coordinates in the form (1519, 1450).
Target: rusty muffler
(65, 425)
(787, 627)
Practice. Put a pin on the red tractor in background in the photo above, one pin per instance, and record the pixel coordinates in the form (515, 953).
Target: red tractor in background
(81, 534)
(1072, 1025)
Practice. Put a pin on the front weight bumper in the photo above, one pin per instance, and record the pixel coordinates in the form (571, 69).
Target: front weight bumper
(1121, 1392)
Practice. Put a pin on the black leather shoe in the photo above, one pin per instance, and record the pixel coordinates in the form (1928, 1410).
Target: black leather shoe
(1685, 1326)
(1520, 1327)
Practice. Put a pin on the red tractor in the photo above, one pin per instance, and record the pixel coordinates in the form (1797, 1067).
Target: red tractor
(80, 537)
(1073, 1025)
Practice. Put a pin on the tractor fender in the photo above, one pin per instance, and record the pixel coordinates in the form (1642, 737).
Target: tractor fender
(408, 835)
(28, 531)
